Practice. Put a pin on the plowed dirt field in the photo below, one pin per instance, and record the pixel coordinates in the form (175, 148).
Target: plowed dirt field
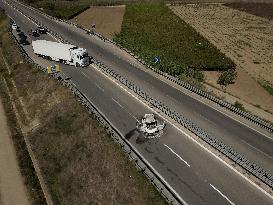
(245, 38)
(108, 19)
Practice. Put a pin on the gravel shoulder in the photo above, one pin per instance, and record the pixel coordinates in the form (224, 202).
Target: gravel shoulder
(12, 188)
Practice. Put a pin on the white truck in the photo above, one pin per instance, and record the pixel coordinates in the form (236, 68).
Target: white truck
(64, 53)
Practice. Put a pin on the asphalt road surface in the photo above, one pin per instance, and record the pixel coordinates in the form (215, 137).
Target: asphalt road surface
(257, 146)
(197, 175)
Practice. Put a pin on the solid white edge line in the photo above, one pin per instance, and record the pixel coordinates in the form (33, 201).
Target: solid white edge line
(177, 155)
(205, 103)
(224, 196)
(162, 178)
(236, 171)
(188, 136)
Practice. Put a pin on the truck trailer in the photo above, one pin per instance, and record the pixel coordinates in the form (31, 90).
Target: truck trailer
(64, 53)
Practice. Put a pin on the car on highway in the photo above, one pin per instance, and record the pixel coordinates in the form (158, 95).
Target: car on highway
(14, 26)
(41, 30)
(22, 38)
(18, 29)
(35, 33)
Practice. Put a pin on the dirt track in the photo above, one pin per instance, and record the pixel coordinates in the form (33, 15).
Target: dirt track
(245, 38)
(12, 188)
(108, 19)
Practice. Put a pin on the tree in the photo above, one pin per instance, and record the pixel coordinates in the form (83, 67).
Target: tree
(227, 77)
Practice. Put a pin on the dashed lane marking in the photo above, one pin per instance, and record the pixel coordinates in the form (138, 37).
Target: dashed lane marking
(224, 196)
(177, 155)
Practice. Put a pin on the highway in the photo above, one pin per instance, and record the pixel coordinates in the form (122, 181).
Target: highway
(255, 145)
(197, 175)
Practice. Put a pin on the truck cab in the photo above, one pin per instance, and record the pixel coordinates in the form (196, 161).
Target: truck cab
(80, 57)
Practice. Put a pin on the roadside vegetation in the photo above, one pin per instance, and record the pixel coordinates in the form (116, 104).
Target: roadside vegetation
(267, 86)
(151, 30)
(24, 160)
(80, 163)
(67, 9)
(239, 106)
(227, 77)
(59, 9)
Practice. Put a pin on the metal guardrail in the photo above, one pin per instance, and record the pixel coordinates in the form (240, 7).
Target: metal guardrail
(246, 115)
(256, 120)
(141, 164)
(237, 158)
(230, 153)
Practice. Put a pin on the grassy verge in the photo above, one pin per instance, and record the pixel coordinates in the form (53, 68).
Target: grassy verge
(267, 86)
(24, 159)
(80, 163)
(154, 30)
(67, 9)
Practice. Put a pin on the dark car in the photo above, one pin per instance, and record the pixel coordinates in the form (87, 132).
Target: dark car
(22, 38)
(35, 33)
(24, 42)
(42, 30)
(18, 29)
(21, 35)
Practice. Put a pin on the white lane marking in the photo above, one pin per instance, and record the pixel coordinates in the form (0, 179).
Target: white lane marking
(177, 155)
(187, 135)
(117, 103)
(99, 87)
(196, 99)
(257, 149)
(224, 196)
(132, 115)
(195, 140)
(218, 110)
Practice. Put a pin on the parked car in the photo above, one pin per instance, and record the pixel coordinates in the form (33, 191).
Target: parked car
(22, 35)
(22, 38)
(35, 33)
(24, 42)
(42, 30)
(14, 26)
(18, 29)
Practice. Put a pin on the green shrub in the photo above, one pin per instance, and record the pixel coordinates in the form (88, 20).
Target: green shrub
(227, 77)
(239, 105)
(267, 86)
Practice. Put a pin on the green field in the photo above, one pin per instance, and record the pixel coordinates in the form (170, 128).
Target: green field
(60, 9)
(154, 30)
(67, 9)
